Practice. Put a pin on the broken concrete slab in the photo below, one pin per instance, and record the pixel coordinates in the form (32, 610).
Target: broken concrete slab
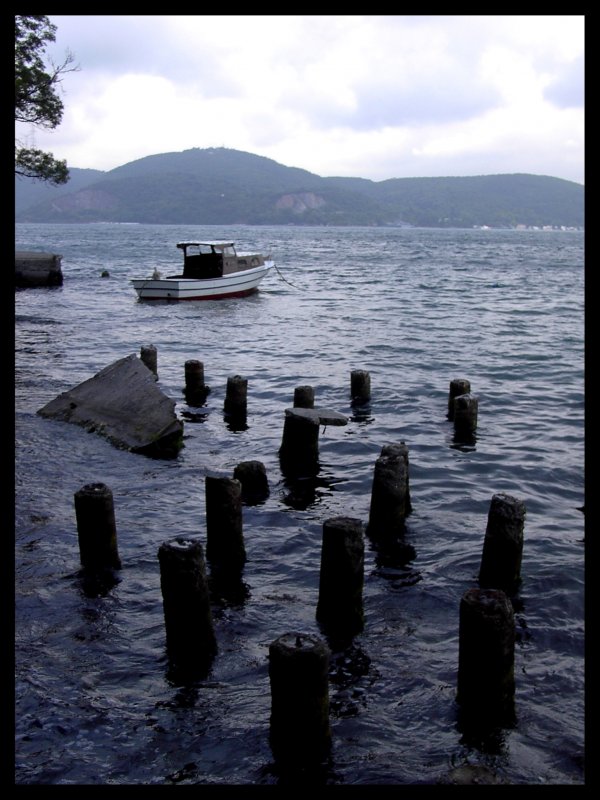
(325, 416)
(124, 404)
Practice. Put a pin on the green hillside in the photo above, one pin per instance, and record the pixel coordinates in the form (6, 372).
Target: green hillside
(29, 192)
(226, 187)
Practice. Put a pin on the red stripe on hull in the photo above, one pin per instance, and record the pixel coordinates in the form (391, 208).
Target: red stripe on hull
(243, 293)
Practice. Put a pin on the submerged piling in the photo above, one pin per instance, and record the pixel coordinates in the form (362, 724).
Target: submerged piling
(149, 356)
(224, 531)
(503, 544)
(486, 682)
(96, 527)
(252, 476)
(300, 734)
(390, 494)
(360, 386)
(458, 386)
(236, 396)
(195, 389)
(304, 397)
(340, 604)
(465, 414)
(190, 635)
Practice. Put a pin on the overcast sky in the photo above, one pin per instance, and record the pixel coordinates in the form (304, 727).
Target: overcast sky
(366, 96)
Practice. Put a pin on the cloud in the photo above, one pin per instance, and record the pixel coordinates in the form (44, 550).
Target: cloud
(369, 96)
(566, 89)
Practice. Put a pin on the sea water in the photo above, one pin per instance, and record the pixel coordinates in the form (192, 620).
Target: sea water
(95, 702)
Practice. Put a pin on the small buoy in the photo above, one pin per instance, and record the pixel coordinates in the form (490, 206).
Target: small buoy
(105, 273)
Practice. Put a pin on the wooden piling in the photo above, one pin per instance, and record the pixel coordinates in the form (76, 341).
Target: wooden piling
(360, 386)
(486, 682)
(458, 386)
(304, 397)
(191, 641)
(253, 477)
(300, 733)
(96, 527)
(299, 451)
(196, 390)
(400, 450)
(149, 356)
(236, 397)
(224, 530)
(465, 413)
(503, 544)
(390, 494)
(340, 604)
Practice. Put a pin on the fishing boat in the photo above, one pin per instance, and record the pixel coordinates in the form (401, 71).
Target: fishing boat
(211, 271)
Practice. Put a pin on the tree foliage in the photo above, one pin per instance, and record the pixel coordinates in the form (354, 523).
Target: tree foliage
(36, 100)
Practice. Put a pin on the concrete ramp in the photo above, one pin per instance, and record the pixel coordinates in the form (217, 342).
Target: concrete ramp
(124, 404)
(37, 269)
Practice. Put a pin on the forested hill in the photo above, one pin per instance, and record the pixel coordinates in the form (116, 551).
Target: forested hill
(218, 186)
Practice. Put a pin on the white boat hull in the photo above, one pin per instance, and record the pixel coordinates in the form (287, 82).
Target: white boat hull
(235, 284)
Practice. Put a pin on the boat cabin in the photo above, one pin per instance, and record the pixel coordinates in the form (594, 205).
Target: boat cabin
(215, 259)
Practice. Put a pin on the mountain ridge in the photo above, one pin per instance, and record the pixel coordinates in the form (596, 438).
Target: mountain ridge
(220, 186)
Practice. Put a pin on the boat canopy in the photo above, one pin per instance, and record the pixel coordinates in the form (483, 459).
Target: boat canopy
(213, 245)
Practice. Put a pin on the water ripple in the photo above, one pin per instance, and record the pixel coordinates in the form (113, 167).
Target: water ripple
(95, 701)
